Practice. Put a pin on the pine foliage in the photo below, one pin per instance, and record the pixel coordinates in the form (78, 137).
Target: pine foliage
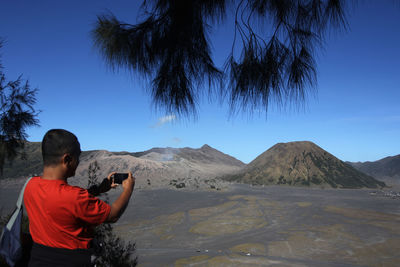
(171, 47)
(17, 113)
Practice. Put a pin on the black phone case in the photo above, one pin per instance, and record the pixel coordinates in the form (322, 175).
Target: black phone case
(119, 177)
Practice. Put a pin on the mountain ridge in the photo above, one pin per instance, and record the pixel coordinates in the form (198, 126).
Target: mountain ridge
(161, 165)
(302, 163)
(386, 169)
(155, 167)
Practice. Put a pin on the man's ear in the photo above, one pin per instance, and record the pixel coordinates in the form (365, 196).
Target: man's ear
(67, 158)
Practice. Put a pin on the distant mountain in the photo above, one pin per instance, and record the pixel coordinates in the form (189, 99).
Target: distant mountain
(28, 165)
(156, 167)
(204, 155)
(295, 163)
(302, 163)
(386, 169)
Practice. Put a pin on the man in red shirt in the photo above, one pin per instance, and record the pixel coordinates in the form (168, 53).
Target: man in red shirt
(61, 216)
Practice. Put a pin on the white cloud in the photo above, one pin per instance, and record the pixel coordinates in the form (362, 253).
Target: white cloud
(164, 120)
(176, 140)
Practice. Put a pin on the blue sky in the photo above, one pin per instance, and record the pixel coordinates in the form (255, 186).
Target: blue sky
(355, 113)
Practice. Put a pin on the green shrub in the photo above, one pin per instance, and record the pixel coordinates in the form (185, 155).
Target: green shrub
(110, 249)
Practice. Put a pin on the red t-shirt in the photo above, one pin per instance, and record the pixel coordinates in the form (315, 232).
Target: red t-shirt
(61, 215)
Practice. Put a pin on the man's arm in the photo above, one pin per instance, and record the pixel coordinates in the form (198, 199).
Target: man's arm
(105, 186)
(119, 205)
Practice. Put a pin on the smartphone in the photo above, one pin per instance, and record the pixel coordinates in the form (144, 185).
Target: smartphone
(119, 177)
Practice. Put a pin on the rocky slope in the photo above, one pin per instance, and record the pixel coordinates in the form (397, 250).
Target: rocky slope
(154, 168)
(28, 164)
(295, 163)
(302, 163)
(386, 169)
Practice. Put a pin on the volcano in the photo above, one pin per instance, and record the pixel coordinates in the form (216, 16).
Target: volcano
(302, 164)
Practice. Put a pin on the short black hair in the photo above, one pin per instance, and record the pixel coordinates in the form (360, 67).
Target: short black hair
(56, 143)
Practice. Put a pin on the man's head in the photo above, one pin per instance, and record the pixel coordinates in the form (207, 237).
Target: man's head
(61, 147)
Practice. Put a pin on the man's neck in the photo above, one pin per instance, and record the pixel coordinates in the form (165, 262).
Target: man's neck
(54, 173)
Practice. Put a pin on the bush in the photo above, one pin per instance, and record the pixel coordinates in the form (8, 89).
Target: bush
(110, 249)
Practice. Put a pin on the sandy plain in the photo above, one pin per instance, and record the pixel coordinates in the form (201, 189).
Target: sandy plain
(263, 226)
(259, 226)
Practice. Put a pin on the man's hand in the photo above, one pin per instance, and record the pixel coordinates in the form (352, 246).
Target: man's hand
(112, 184)
(104, 186)
(119, 205)
(129, 183)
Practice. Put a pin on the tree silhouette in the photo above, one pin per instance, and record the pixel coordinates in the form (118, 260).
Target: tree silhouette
(110, 249)
(171, 48)
(17, 113)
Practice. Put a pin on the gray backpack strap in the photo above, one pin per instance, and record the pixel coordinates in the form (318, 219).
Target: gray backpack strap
(19, 206)
(21, 194)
